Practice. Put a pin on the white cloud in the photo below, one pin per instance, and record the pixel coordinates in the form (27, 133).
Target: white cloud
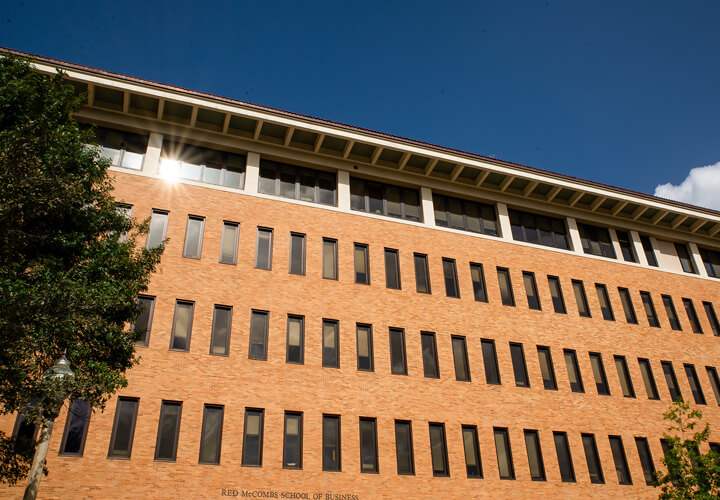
(701, 187)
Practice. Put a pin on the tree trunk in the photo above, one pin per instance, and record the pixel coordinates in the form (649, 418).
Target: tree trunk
(39, 460)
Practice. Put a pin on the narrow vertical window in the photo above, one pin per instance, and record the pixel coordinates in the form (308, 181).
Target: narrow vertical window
(519, 367)
(534, 453)
(650, 309)
(506, 292)
(504, 454)
(598, 369)
(182, 325)
(648, 378)
(362, 264)
(473, 465)
(329, 259)
(567, 472)
(123, 432)
(258, 335)
(672, 314)
(168, 431)
(492, 373)
(712, 318)
(451, 280)
(546, 368)
(229, 243)
(581, 298)
(694, 382)
(671, 380)
(365, 359)
(368, 445)
(531, 290)
(422, 275)
(263, 248)
(685, 259)
(125, 210)
(143, 322)
(714, 382)
(646, 460)
(573, 370)
(297, 253)
(692, 316)
(220, 336)
(404, 448)
(295, 340)
(158, 228)
(292, 440)
(438, 450)
(253, 437)
(626, 246)
(621, 465)
(557, 295)
(429, 354)
(478, 282)
(398, 362)
(628, 307)
(76, 427)
(330, 351)
(649, 252)
(604, 300)
(392, 269)
(460, 357)
(593, 459)
(624, 376)
(211, 434)
(331, 443)
(193, 237)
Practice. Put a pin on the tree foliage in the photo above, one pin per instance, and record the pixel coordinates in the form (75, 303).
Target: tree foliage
(68, 280)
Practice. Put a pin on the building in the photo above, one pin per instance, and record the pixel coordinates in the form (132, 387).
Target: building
(346, 314)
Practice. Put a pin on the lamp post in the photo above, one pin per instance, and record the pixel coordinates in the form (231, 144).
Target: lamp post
(60, 372)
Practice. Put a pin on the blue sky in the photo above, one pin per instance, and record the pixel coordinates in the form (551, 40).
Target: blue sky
(620, 92)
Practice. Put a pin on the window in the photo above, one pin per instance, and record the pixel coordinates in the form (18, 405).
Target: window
(506, 293)
(124, 149)
(671, 380)
(604, 300)
(392, 269)
(462, 368)
(626, 246)
(712, 317)
(123, 432)
(711, 260)
(473, 465)
(429, 354)
(534, 453)
(492, 373)
(398, 363)
(258, 334)
(477, 277)
(125, 210)
(567, 472)
(362, 264)
(650, 309)
(451, 279)
(714, 382)
(648, 249)
(628, 307)
(504, 454)
(297, 253)
(168, 431)
(646, 460)
(404, 447)
(220, 337)
(330, 344)
(546, 368)
(368, 445)
(692, 316)
(672, 314)
(581, 298)
(557, 295)
(194, 237)
(365, 357)
(714, 447)
(531, 290)
(229, 243)
(295, 339)
(624, 376)
(571, 362)
(202, 165)
(599, 374)
(596, 240)
(685, 259)
(329, 256)
(464, 214)
(694, 382)
(538, 229)
(297, 183)
(143, 322)
(648, 378)
(253, 437)
(263, 249)
(76, 427)
(211, 436)
(593, 459)
(438, 450)
(519, 367)
(182, 325)
(621, 465)
(331, 442)
(422, 275)
(384, 199)
(158, 228)
(292, 440)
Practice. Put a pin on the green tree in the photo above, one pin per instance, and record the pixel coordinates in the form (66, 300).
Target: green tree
(70, 263)
(690, 474)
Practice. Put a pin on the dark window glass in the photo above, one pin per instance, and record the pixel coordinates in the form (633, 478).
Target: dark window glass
(158, 228)
(557, 295)
(220, 336)
(229, 243)
(203, 165)
(25, 432)
(298, 183)
(193, 237)
(534, 453)
(506, 292)
(650, 309)
(404, 447)
(365, 357)
(712, 317)
(685, 259)
(211, 436)
(297, 253)
(392, 269)
(143, 322)
(329, 259)
(295, 339)
(258, 335)
(464, 214)
(672, 314)
(714, 382)
(671, 380)
(531, 290)
(168, 430)
(627, 304)
(695, 384)
(473, 464)
(711, 260)
(438, 450)
(362, 264)
(368, 445)
(492, 373)
(429, 353)
(649, 252)
(253, 437)
(123, 428)
(626, 246)
(581, 298)
(646, 460)
(624, 376)
(504, 454)
(546, 368)
(385, 199)
(692, 316)
(648, 378)
(571, 362)
(477, 277)
(398, 363)
(330, 340)
(451, 280)
(76, 427)
(182, 325)
(519, 367)
(331, 442)
(596, 240)
(538, 229)
(599, 374)
(593, 459)
(422, 275)
(604, 300)
(567, 472)
(460, 357)
(124, 149)
(621, 465)
(263, 249)
(714, 447)
(292, 440)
